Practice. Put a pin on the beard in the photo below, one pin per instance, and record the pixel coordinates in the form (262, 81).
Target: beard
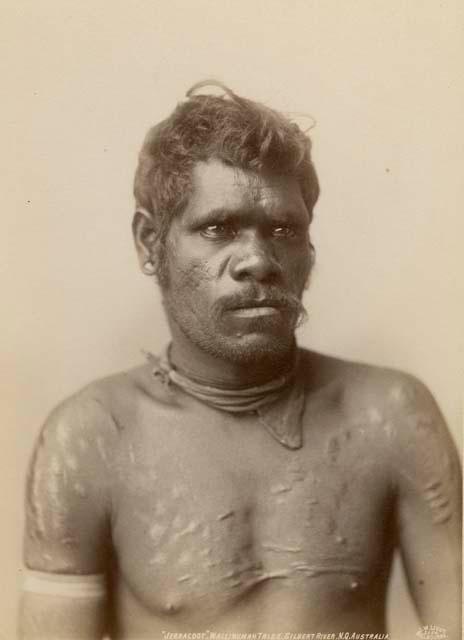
(266, 341)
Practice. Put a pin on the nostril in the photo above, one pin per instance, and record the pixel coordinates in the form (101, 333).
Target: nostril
(259, 265)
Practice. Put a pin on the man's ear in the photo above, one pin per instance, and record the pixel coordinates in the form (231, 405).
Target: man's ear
(146, 240)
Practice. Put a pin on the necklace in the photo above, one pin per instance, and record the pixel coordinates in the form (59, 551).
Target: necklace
(278, 404)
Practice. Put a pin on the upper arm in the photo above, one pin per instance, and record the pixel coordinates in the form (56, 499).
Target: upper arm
(428, 482)
(48, 617)
(67, 519)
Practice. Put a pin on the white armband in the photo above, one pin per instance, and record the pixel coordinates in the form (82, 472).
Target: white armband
(71, 586)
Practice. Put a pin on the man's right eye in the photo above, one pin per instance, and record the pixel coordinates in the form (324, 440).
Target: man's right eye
(218, 231)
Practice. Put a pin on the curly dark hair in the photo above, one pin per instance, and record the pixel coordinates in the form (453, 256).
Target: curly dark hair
(239, 132)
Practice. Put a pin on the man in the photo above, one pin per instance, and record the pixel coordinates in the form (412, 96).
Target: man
(236, 483)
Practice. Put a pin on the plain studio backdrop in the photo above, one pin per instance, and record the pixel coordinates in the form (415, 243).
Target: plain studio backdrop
(81, 84)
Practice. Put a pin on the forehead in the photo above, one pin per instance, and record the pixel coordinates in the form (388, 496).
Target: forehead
(219, 186)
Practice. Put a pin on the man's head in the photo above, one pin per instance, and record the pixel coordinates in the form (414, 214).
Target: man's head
(237, 131)
(225, 190)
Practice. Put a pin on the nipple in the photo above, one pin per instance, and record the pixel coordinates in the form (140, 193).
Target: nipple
(171, 607)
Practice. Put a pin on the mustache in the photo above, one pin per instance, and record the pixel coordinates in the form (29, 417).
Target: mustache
(271, 296)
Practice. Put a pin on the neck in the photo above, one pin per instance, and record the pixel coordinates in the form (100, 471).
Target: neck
(197, 364)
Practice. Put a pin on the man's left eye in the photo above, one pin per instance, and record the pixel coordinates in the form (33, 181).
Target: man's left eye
(283, 231)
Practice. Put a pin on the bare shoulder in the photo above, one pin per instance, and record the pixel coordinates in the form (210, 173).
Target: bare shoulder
(93, 420)
(83, 433)
(85, 415)
(397, 410)
(105, 406)
(391, 392)
(72, 472)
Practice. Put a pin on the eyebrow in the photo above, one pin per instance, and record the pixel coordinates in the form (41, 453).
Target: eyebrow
(222, 214)
(219, 214)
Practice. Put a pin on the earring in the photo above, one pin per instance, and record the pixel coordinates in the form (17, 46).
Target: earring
(148, 268)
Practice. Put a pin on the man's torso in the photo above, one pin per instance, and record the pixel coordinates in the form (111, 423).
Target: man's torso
(215, 525)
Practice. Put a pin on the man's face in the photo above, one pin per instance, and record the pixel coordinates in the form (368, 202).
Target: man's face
(238, 259)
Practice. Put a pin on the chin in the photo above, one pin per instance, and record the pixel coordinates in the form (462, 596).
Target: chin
(252, 348)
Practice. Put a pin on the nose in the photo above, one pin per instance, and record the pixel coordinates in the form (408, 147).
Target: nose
(255, 259)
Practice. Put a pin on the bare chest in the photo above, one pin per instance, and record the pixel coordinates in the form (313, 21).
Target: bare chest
(202, 520)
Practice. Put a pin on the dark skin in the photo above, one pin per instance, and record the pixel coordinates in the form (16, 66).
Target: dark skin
(200, 518)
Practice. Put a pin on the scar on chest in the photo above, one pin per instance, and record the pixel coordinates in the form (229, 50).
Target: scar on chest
(226, 515)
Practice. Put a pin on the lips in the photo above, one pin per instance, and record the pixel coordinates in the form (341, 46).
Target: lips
(266, 303)
(260, 308)
(255, 312)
